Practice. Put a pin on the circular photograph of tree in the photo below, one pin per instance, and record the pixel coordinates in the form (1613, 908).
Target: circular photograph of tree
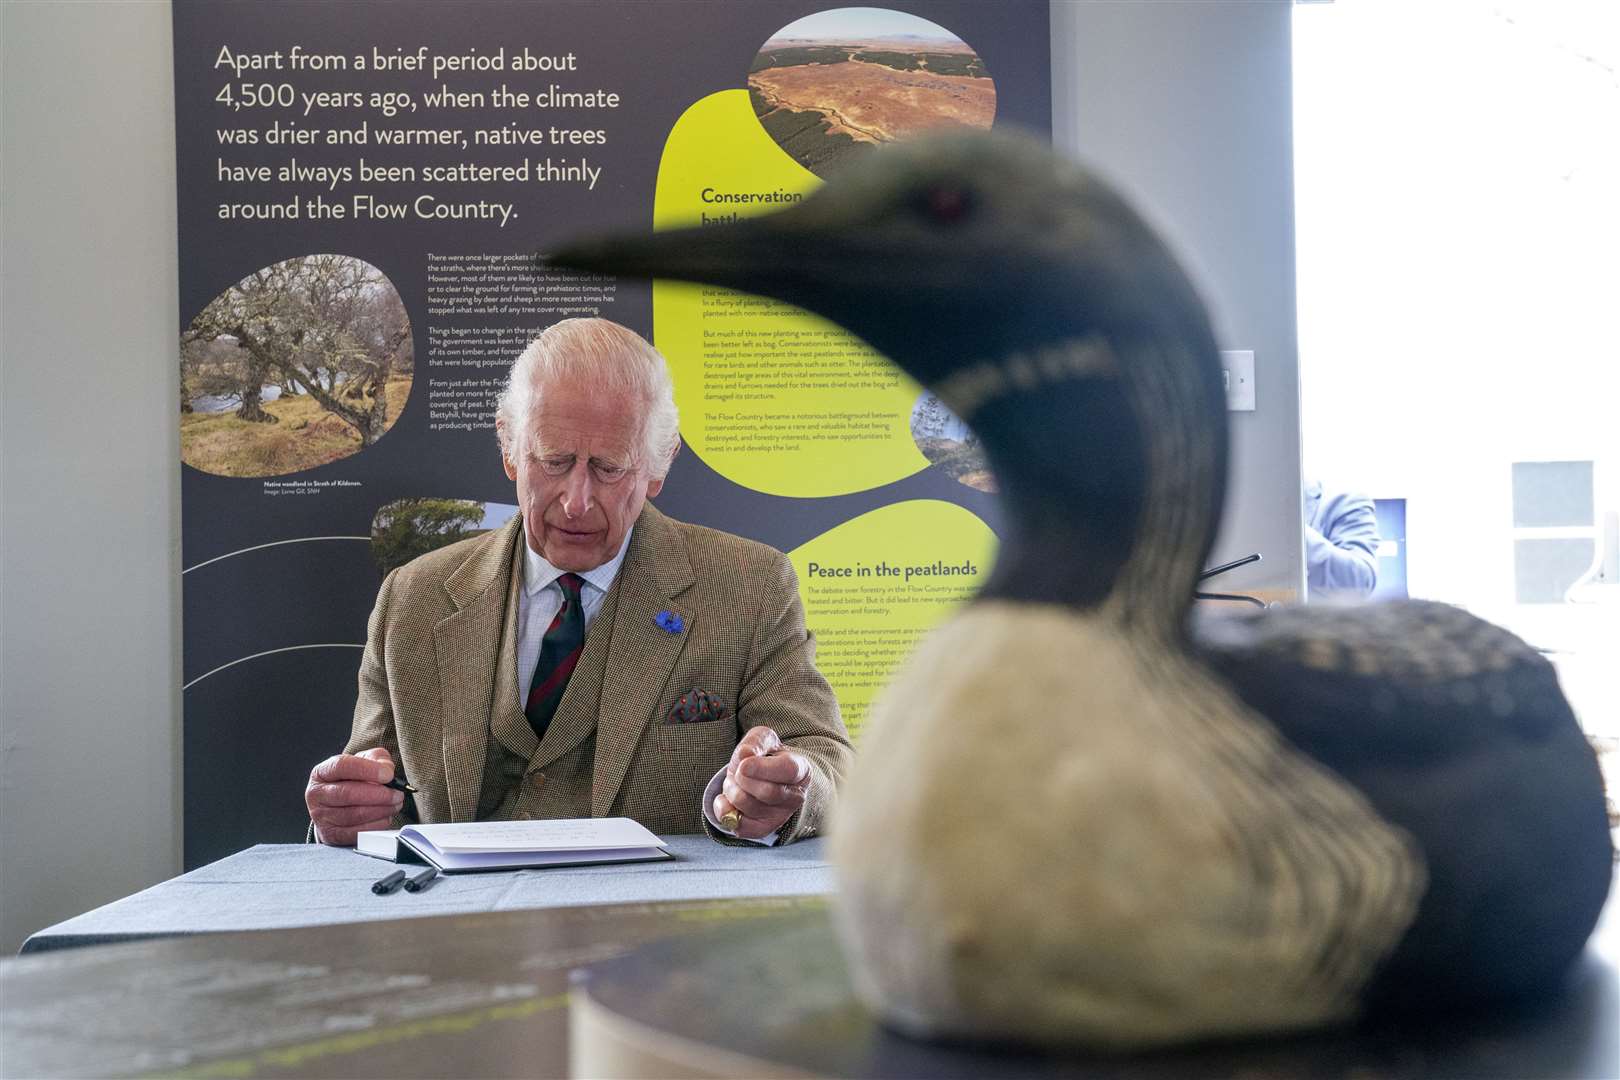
(948, 442)
(405, 528)
(837, 83)
(299, 364)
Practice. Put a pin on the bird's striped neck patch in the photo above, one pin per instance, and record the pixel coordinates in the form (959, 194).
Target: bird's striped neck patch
(969, 389)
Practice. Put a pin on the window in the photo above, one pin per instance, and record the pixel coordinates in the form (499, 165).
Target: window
(1458, 258)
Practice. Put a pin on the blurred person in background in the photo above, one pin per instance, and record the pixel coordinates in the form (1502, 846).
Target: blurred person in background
(1341, 544)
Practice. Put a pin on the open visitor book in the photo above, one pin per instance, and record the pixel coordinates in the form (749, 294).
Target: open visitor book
(513, 845)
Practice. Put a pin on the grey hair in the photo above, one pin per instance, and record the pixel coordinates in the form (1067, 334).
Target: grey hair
(612, 359)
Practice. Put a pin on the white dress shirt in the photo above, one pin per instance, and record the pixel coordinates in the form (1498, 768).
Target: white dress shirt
(538, 603)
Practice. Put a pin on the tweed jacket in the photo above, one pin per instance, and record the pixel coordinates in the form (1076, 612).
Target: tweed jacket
(438, 682)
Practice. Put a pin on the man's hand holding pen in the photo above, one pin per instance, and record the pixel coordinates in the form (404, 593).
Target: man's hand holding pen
(765, 784)
(350, 793)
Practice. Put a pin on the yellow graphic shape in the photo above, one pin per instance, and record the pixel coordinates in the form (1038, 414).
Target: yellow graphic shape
(874, 585)
(771, 397)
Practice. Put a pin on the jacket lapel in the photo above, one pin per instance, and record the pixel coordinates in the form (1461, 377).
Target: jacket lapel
(641, 655)
(464, 642)
(508, 722)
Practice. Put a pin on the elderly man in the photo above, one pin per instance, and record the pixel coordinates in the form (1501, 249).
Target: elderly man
(592, 658)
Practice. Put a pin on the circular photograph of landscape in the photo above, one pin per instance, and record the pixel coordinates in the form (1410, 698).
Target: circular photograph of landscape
(298, 364)
(834, 84)
(946, 440)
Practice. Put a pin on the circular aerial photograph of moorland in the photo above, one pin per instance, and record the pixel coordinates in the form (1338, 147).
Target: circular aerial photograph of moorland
(834, 84)
(946, 440)
(298, 364)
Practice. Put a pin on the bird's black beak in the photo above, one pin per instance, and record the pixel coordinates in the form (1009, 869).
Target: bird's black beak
(756, 255)
(819, 255)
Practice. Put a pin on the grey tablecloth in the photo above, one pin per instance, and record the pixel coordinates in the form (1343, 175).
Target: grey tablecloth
(271, 886)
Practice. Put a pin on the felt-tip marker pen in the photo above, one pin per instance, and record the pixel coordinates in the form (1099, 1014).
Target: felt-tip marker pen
(388, 884)
(421, 881)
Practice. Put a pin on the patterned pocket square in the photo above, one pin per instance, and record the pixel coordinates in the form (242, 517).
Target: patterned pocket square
(696, 706)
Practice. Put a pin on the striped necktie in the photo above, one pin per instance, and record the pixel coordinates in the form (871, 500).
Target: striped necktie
(559, 652)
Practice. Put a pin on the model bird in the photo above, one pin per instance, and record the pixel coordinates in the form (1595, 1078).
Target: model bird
(1072, 821)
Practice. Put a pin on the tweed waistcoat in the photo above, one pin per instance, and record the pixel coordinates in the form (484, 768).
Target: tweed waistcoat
(514, 785)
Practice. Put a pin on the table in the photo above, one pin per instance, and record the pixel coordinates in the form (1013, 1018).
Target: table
(648, 1013)
(469, 995)
(279, 886)
(488, 994)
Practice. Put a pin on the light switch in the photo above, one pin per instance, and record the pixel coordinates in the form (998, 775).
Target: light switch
(1237, 365)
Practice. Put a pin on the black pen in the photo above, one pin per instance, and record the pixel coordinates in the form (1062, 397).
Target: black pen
(421, 881)
(398, 784)
(389, 883)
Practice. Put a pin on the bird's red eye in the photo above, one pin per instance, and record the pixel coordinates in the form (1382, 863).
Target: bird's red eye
(948, 204)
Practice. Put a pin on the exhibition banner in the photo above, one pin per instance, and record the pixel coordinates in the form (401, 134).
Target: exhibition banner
(363, 188)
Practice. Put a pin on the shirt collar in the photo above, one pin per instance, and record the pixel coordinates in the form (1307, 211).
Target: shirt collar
(538, 572)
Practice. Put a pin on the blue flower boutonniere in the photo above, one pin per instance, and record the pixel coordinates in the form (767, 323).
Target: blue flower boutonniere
(669, 622)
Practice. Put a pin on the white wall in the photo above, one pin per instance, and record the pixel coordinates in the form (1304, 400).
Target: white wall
(89, 469)
(1186, 103)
